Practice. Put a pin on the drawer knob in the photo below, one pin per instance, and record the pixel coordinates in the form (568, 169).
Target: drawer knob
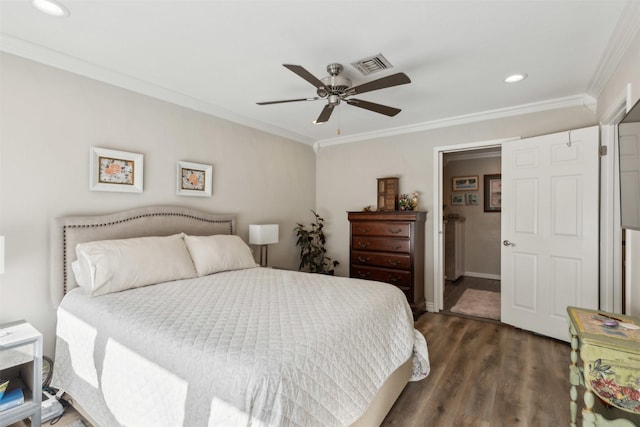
(363, 230)
(395, 248)
(363, 274)
(394, 279)
(363, 259)
(395, 230)
(364, 244)
(393, 262)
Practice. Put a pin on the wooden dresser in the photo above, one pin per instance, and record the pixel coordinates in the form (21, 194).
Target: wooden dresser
(389, 247)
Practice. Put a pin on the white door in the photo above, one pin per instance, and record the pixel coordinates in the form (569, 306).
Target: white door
(549, 229)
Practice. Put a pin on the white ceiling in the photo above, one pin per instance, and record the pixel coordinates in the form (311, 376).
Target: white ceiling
(221, 57)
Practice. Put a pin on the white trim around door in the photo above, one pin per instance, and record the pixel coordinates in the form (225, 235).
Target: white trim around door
(610, 236)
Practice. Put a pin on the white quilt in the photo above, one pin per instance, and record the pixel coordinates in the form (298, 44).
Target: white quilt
(259, 347)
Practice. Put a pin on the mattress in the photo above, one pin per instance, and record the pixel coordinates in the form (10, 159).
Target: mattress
(260, 347)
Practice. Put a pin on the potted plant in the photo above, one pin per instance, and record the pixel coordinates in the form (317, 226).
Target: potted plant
(312, 251)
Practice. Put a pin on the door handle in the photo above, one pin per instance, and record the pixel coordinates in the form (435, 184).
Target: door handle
(508, 243)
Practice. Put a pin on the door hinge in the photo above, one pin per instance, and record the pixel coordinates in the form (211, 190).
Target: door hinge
(603, 150)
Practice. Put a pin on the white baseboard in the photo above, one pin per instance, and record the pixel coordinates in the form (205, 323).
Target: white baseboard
(431, 308)
(482, 275)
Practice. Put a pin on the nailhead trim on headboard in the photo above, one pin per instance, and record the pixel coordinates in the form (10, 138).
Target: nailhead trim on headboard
(65, 227)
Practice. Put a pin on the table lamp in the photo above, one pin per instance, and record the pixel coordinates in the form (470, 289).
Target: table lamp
(263, 235)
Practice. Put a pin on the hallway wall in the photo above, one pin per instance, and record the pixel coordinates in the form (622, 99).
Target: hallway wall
(482, 229)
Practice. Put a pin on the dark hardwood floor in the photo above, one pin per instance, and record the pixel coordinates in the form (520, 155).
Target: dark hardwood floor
(486, 374)
(483, 373)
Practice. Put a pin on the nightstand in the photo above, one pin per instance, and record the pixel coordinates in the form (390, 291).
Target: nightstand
(605, 359)
(21, 344)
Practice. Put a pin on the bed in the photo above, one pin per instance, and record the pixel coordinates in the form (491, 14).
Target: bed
(239, 345)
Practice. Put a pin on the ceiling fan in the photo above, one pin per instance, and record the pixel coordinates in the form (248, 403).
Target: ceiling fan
(336, 88)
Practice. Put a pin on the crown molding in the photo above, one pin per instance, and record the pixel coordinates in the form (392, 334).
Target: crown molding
(582, 100)
(623, 34)
(22, 48)
(74, 65)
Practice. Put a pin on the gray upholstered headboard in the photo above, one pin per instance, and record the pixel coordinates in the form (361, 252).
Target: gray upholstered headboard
(67, 232)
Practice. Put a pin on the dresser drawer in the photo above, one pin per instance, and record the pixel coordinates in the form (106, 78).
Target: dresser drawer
(388, 246)
(388, 260)
(390, 229)
(382, 244)
(401, 279)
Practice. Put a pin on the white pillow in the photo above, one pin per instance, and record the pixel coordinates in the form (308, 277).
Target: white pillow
(116, 265)
(221, 252)
(77, 273)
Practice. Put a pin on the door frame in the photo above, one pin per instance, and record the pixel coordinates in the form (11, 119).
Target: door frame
(438, 224)
(610, 236)
(610, 240)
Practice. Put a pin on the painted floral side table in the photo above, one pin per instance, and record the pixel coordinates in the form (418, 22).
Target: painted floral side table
(609, 347)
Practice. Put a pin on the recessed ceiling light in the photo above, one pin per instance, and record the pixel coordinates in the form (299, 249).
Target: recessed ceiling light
(50, 7)
(515, 78)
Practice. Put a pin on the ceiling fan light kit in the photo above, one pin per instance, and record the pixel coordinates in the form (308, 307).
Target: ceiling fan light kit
(336, 88)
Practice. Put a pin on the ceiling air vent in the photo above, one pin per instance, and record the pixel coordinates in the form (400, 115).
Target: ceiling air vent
(373, 64)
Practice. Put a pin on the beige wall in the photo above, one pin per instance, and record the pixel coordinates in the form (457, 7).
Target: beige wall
(627, 71)
(49, 119)
(481, 229)
(346, 174)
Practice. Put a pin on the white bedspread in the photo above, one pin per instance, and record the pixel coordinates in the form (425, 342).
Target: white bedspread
(250, 347)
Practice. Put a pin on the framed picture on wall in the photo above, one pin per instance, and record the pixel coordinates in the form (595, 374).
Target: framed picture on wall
(194, 179)
(493, 193)
(112, 170)
(471, 198)
(457, 199)
(465, 183)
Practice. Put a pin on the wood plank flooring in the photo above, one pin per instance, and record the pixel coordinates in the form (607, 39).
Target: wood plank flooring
(486, 374)
(70, 416)
(483, 374)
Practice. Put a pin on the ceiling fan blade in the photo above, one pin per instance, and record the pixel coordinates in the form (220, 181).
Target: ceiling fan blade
(302, 72)
(287, 100)
(325, 114)
(384, 82)
(372, 106)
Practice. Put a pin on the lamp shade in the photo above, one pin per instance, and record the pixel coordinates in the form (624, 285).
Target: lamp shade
(1, 254)
(263, 234)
